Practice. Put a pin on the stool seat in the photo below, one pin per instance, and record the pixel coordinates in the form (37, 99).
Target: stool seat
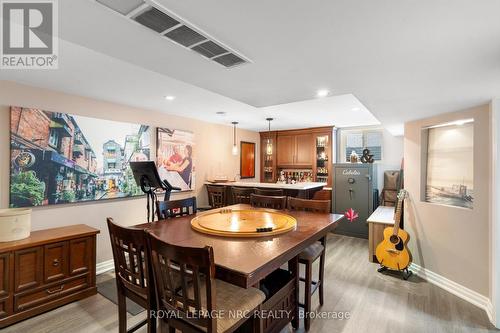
(312, 252)
(230, 299)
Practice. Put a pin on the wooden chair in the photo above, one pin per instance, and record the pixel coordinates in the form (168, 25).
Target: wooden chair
(241, 195)
(269, 192)
(216, 196)
(264, 201)
(200, 292)
(133, 273)
(311, 254)
(175, 208)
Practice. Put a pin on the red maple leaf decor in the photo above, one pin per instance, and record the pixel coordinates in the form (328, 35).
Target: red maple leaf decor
(351, 215)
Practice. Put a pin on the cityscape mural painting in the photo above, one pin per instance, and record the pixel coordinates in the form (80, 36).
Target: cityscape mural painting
(61, 158)
(174, 157)
(450, 165)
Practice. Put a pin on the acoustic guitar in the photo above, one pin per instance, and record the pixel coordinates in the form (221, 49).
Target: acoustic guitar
(392, 252)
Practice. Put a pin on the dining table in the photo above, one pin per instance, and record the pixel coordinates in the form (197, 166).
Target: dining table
(246, 261)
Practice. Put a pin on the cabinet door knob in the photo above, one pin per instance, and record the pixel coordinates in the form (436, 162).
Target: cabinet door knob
(55, 262)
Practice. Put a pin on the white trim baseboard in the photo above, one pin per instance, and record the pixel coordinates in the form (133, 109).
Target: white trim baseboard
(456, 289)
(105, 266)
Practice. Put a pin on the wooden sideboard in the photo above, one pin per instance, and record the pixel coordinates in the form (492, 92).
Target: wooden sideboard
(50, 268)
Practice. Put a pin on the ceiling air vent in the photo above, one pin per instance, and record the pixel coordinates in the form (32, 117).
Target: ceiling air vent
(172, 27)
(209, 49)
(229, 60)
(156, 20)
(185, 36)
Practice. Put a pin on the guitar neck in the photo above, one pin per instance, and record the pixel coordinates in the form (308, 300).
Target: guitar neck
(397, 215)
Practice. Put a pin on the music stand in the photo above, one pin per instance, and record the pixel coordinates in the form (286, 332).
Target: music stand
(146, 176)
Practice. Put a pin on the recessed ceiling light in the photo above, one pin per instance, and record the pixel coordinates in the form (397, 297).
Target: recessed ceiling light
(356, 109)
(220, 113)
(322, 93)
(169, 98)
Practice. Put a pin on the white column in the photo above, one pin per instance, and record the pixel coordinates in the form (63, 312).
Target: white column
(495, 218)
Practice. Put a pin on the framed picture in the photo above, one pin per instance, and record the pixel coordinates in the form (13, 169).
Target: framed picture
(247, 160)
(62, 158)
(175, 157)
(449, 169)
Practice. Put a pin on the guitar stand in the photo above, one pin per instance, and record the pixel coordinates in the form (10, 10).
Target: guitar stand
(405, 273)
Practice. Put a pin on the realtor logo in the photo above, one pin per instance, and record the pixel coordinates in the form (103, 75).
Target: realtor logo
(29, 34)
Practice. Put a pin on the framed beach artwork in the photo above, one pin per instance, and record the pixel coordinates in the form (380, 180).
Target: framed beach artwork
(175, 157)
(449, 172)
(247, 160)
(58, 158)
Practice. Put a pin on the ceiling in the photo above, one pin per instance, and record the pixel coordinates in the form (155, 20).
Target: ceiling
(403, 60)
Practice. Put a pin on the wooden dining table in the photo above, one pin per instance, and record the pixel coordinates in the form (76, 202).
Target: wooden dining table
(246, 261)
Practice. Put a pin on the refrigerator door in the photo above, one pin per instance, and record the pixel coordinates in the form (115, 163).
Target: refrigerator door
(353, 188)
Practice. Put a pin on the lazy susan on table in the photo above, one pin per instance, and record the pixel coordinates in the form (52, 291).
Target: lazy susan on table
(244, 222)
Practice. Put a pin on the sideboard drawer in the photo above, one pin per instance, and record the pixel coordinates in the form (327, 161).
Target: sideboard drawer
(28, 268)
(56, 264)
(30, 299)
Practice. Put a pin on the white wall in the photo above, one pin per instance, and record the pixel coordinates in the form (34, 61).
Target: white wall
(452, 242)
(495, 212)
(212, 156)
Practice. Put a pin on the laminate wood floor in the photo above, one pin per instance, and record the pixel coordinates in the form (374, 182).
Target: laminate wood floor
(375, 303)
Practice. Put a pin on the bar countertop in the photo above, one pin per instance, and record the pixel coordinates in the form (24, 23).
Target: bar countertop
(296, 186)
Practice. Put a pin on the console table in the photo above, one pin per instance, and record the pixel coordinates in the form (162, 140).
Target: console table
(50, 268)
(380, 219)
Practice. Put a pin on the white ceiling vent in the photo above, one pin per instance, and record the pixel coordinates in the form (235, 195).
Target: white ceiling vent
(170, 26)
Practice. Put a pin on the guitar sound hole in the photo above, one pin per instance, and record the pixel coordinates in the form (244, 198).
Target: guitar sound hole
(394, 239)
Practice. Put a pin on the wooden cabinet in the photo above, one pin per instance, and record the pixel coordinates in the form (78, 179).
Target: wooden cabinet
(304, 149)
(299, 149)
(46, 270)
(285, 150)
(296, 149)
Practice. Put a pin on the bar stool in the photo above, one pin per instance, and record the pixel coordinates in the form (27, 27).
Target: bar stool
(311, 254)
(216, 196)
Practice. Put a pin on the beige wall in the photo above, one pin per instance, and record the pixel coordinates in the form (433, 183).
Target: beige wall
(212, 156)
(450, 241)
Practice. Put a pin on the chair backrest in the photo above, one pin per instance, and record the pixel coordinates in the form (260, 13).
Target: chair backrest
(216, 196)
(264, 201)
(175, 208)
(317, 206)
(194, 271)
(241, 195)
(131, 258)
(269, 192)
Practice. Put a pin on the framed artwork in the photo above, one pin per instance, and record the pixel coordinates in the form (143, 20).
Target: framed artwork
(449, 172)
(175, 157)
(61, 158)
(247, 160)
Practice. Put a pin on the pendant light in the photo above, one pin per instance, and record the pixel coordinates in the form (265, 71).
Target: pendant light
(235, 147)
(269, 145)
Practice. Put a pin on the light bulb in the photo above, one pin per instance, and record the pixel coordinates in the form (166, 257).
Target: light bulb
(269, 148)
(235, 150)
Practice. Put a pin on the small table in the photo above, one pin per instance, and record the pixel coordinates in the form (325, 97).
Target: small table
(380, 219)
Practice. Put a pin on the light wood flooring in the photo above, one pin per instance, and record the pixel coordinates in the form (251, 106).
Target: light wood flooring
(376, 303)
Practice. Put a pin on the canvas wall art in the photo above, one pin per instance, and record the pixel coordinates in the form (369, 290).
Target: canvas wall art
(175, 157)
(247, 160)
(450, 165)
(61, 158)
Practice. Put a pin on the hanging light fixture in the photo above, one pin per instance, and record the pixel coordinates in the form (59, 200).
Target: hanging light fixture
(235, 147)
(269, 145)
